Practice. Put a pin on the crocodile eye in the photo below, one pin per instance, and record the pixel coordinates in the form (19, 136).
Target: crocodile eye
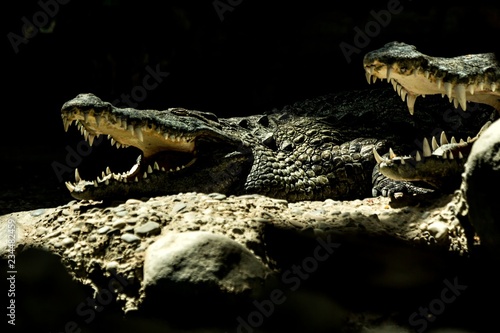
(180, 112)
(210, 116)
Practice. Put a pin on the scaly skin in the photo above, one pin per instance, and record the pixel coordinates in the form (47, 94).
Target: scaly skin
(467, 78)
(312, 150)
(279, 155)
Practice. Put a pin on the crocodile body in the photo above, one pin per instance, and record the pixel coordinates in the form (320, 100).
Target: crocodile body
(311, 150)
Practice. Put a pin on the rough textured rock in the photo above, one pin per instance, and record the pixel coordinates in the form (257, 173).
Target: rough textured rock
(377, 255)
(199, 269)
(480, 187)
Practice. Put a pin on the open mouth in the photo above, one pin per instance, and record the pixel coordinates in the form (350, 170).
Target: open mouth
(158, 150)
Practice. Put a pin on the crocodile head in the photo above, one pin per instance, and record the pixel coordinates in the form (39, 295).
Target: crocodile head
(471, 77)
(172, 143)
(467, 78)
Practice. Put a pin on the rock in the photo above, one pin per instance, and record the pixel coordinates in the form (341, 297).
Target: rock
(212, 268)
(130, 238)
(480, 186)
(438, 229)
(148, 228)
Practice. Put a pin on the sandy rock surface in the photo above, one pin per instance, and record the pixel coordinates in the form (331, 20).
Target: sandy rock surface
(246, 247)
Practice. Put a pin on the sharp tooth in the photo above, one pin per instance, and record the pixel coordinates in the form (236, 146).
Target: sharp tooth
(460, 93)
(150, 170)
(453, 140)
(124, 180)
(469, 139)
(481, 85)
(371, 69)
(108, 170)
(124, 123)
(394, 84)
(444, 155)
(138, 132)
(77, 176)
(368, 77)
(426, 74)
(439, 82)
(389, 71)
(130, 128)
(106, 182)
(447, 89)
(493, 87)
(70, 187)
(398, 89)
(426, 149)
(462, 141)
(450, 155)
(417, 157)
(95, 183)
(460, 155)
(410, 101)
(443, 139)
(103, 174)
(136, 179)
(434, 144)
(163, 169)
(145, 175)
(133, 169)
(402, 161)
(471, 89)
(391, 154)
(415, 72)
(91, 139)
(85, 134)
(155, 166)
(378, 158)
(455, 102)
(97, 119)
(113, 141)
(66, 124)
(403, 94)
(119, 145)
(86, 117)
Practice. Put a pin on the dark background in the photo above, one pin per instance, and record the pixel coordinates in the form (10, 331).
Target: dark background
(263, 54)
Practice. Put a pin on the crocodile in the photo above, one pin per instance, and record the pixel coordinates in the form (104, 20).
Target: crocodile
(463, 79)
(311, 150)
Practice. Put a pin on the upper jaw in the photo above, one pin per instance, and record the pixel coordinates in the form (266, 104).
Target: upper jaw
(468, 78)
(413, 83)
